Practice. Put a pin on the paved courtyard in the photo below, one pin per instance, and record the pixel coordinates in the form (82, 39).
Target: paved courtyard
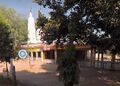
(37, 73)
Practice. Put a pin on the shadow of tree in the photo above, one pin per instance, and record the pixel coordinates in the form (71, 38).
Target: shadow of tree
(28, 78)
(88, 77)
(50, 67)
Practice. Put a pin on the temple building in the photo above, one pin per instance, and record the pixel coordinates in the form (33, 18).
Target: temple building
(38, 49)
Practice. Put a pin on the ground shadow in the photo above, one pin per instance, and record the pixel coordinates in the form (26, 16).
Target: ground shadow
(88, 77)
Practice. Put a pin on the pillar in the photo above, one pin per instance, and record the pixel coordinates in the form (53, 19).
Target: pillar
(36, 55)
(93, 57)
(98, 59)
(88, 54)
(55, 54)
(31, 55)
(102, 61)
(42, 55)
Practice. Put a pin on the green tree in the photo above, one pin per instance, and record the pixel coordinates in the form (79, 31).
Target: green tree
(104, 15)
(58, 20)
(6, 42)
(68, 67)
(41, 20)
(51, 30)
(17, 27)
(18, 24)
(88, 19)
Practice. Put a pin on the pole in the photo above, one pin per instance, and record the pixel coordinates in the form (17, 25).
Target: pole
(14, 76)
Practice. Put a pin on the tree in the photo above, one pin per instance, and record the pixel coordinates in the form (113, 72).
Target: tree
(89, 20)
(49, 27)
(98, 16)
(6, 42)
(13, 31)
(68, 67)
(104, 15)
(57, 17)
(41, 20)
(52, 30)
(17, 26)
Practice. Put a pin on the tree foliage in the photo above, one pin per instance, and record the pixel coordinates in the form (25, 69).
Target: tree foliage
(41, 20)
(18, 24)
(51, 30)
(6, 42)
(87, 19)
(13, 32)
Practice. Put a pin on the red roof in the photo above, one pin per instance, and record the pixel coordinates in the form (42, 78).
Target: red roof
(47, 47)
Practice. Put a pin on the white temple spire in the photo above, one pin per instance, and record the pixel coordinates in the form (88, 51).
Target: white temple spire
(31, 29)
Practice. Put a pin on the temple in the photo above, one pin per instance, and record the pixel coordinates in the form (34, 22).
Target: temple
(37, 49)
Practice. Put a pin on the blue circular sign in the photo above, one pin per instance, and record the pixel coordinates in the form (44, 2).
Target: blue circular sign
(22, 54)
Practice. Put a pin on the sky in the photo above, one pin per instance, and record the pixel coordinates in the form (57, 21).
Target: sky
(23, 7)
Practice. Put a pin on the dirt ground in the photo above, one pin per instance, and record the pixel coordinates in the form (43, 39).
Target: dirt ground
(38, 73)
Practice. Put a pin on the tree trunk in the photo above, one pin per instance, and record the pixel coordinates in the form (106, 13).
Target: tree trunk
(113, 62)
(7, 70)
(68, 84)
(102, 63)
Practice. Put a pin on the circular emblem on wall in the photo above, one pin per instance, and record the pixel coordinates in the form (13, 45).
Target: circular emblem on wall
(22, 54)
